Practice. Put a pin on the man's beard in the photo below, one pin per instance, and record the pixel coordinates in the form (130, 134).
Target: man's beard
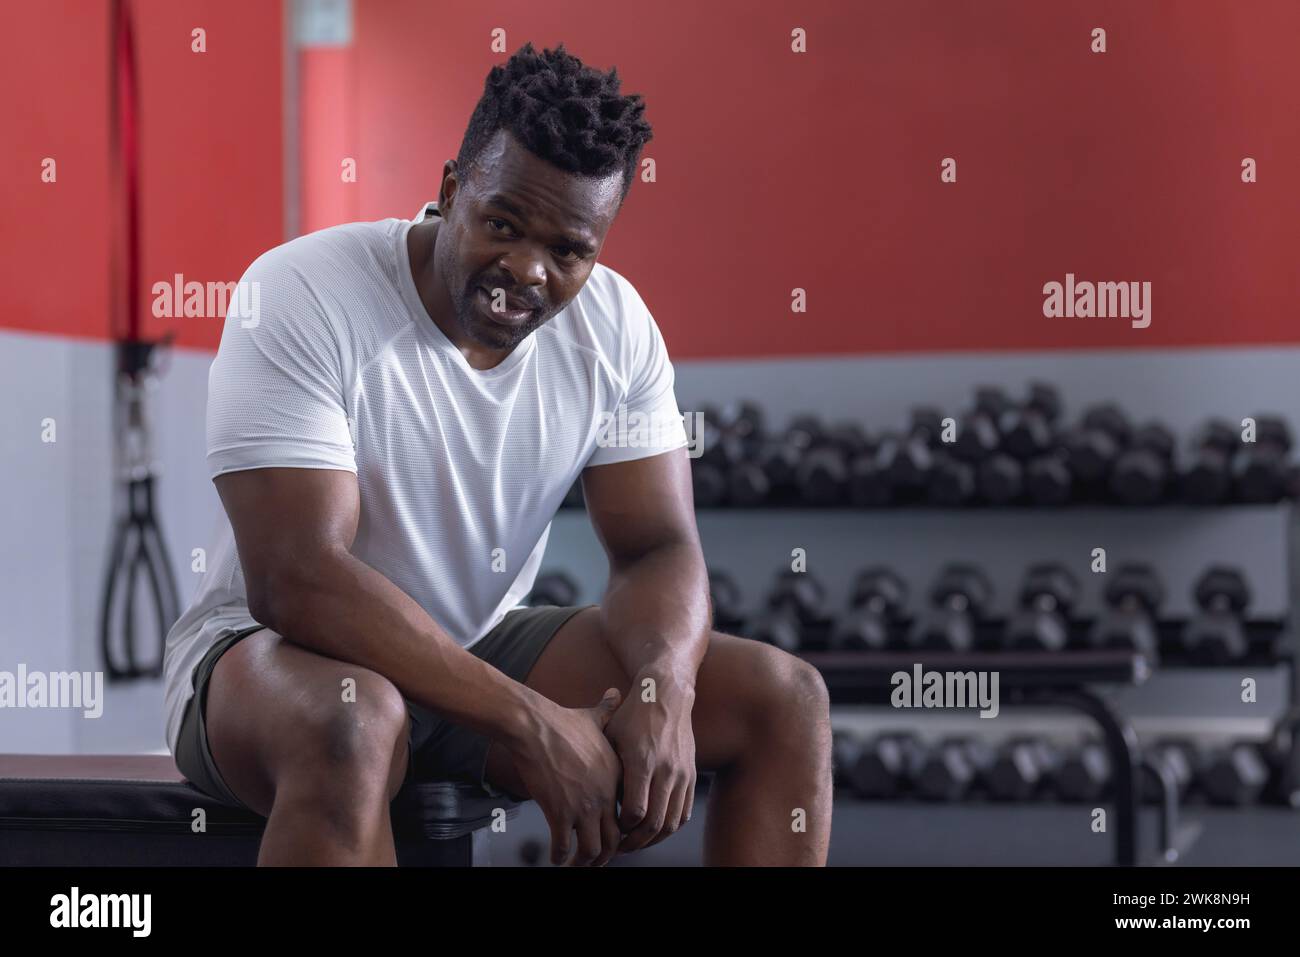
(493, 335)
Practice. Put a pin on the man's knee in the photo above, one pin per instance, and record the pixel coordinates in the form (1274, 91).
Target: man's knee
(358, 728)
(789, 696)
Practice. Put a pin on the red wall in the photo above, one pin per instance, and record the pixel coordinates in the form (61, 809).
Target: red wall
(775, 170)
(211, 162)
(822, 171)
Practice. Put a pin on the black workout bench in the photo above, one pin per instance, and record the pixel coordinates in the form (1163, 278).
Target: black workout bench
(1043, 679)
(137, 810)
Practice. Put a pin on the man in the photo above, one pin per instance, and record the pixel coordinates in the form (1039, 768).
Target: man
(390, 437)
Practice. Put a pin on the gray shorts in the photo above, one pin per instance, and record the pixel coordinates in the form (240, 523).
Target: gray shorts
(438, 750)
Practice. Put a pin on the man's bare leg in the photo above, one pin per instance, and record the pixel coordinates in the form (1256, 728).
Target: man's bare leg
(321, 769)
(761, 721)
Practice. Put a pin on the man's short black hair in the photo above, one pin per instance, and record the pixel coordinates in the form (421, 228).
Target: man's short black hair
(566, 113)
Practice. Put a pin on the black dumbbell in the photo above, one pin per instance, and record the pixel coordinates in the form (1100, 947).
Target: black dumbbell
(823, 476)
(742, 421)
(1133, 598)
(951, 769)
(710, 470)
(1000, 479)
(878, 600)
(1093, 446)
(1217, 634)
(907, 461)
(1029, 430)
(884, 767)
(869, 484)
(952, 481)
(553, 588)
(1142, 472)
(1047, 596)
(1260, 469)
(727, 601)
(958, 597)
(796, 607)
(1180, 758)
(1207, 477)
(1021, 769)
(993, 401)
(1233, 775)
(768, 477)
(1084, 773)
(1048, 480)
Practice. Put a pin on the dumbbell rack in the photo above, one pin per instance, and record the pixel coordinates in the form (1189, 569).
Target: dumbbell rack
(1181, 541)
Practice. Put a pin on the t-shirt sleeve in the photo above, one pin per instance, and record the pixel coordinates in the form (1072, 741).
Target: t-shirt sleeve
(648, 421)
(276, 390)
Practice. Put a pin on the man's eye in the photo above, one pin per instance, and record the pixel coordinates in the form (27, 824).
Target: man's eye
(576, 255)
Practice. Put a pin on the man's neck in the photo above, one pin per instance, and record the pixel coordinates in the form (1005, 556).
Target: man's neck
(421, 240)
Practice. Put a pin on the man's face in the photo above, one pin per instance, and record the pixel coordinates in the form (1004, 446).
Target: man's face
(520, 235)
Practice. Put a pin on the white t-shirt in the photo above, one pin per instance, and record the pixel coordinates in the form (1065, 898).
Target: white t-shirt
(337, 365)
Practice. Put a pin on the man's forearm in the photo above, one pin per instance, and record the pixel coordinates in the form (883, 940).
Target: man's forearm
(656, 615)
(341, 607)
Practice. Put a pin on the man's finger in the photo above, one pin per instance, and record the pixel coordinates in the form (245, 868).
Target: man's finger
(636, 795)
(653, 821)
(588, 827)
(561, 831)
(610, 836)
(673, 817)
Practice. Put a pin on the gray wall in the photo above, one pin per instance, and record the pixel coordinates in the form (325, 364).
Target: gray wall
(55, 527)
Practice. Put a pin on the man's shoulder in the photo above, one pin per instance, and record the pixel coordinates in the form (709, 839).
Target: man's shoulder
(319, 255)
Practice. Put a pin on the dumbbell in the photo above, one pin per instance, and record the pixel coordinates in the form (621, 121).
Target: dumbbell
(951, 769)
(907, 461)
(1141, 473)
(1000, 479)
(768, 477)
(796, 606)
(710, 469)
(869, 484)
(1093, 446)
(1020, 769)
(1233, 775)
(1048, 594)
(882, 768)
(1207, 479)
(1029, 430)
(952, 481)
(553, 588)
(727, 601)
(1217, 634)
(1260, 469)
(1133, 597)
(1084, 773)
(1180, 758)
(877, 608)
(958, 597)
(823, 475)
(742, 421)
(1048, 479)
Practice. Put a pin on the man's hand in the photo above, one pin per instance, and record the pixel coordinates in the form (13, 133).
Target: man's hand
(656, 743)
(572, 772)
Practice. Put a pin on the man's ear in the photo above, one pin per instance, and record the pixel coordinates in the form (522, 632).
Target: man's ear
(449, 186)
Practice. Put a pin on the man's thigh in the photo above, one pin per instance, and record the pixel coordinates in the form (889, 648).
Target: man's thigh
(578, 665)
(268, 700)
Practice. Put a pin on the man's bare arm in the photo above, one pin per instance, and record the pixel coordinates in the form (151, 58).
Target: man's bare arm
(656, 617)
(656, 605)
(294, 529)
